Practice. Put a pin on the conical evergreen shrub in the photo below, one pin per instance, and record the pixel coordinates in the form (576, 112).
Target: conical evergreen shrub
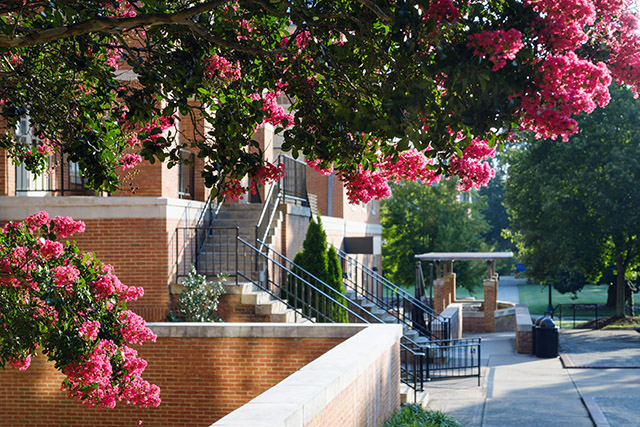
(325, 274)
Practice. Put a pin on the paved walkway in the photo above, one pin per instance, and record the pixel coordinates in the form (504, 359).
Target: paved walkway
(523, 390)
(508, 288)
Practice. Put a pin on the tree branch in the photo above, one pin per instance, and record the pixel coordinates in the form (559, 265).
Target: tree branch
(105, 25)
(375, 9)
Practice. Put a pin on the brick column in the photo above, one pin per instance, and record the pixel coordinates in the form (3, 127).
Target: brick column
(439, 295)
(490, 303)
(450, 289)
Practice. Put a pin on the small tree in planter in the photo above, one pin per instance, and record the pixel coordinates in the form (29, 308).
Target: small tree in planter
(198, 301)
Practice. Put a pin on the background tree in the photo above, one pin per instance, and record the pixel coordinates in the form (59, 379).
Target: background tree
(418, 219)
(381, 90)
(325, 274)
(495, 213)
(575, 207)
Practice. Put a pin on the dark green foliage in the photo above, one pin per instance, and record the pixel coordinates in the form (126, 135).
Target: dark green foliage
(575, 206)
(325, 274)
(336, 283)
(415, 416)
(418, 218)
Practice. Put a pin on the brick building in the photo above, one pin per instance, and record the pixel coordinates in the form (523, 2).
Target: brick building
(136, 228)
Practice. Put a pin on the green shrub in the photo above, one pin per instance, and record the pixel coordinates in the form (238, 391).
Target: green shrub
(324, 265)
(198, 301)
(415, 416)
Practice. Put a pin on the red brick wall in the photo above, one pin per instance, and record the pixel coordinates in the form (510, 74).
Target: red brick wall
(202, 379)
(137, 248)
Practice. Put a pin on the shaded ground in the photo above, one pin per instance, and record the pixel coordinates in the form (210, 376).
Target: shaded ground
(611, 322)
(601, 348)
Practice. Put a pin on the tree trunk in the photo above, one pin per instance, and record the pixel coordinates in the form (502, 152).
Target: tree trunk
(620, 286)
(611, 295)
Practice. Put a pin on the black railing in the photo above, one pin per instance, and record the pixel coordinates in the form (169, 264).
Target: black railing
(312, 299)
(269, 209)
(211, 250)
(294, 181)
(570, 315)
(453, 358)
(62, 179)
(396, 302)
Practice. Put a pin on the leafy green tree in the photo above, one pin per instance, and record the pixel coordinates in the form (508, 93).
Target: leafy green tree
(497, 217)
(417, 219)
(575, 207)
(325, 274)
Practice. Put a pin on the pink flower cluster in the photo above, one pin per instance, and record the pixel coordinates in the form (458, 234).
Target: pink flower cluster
(163, 123)
(21, 364)
(66, 226)
(89, 330)
(92, 380)
(365, 185)
(134, 330)
(562, 22)
(65, 276)
(315, 165)
(109, 285)
(442, 10)
(498, 45)
(130, 161)
(471, 168)
(274, 114)
(219, 67)
(267, 173)
(51, 249)
(566, 85)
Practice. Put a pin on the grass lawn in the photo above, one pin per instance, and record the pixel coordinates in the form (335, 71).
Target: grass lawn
(536, 297)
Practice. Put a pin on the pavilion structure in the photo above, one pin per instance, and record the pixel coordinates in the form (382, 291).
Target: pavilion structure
(444, 284)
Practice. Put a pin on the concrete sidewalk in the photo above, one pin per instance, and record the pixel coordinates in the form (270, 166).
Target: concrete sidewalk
(523, 390)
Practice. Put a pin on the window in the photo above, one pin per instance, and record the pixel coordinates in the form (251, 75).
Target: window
(27, 183)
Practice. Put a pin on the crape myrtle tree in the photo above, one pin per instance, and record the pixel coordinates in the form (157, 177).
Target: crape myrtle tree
(382, 90)
(575, 206)
(69, 306)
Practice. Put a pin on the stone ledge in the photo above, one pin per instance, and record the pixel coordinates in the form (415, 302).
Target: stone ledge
(301, 396)
(253, 330)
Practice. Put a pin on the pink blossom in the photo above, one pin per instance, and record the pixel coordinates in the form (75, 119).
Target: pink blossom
(133, 328)
(50, 249)
(65, 276)
(217, 66)
(21, 364)
(130, 161)
(66, 226)
(89, 330)
(497, 45)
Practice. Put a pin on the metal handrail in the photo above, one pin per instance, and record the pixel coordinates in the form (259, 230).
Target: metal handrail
(411, 349)
(398, 303)
(386, 282)
(269, 210)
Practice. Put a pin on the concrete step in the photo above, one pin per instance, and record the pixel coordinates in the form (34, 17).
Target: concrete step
(271, 306)
(239, 289)
(285, 316)
(407, 395)
(255, 298)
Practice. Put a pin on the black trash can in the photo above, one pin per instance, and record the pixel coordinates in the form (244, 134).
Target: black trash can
(534, 327)
(546, 338)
